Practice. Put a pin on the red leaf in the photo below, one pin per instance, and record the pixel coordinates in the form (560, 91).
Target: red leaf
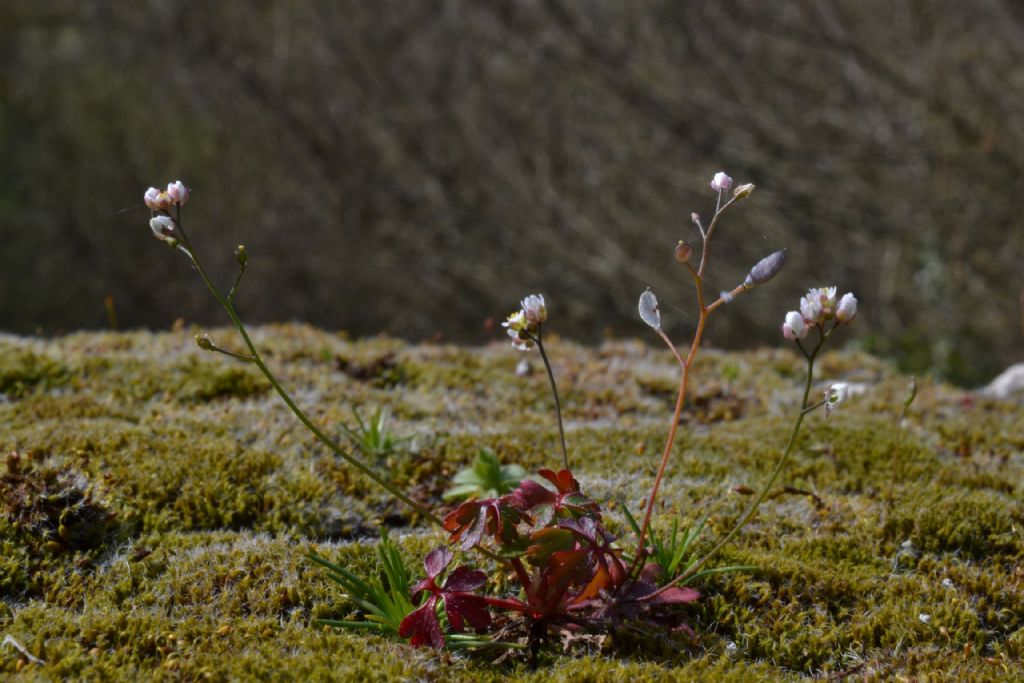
(530, 494)
(563, 481)
(676, 596)
(422, 626)
(436, 561)
(462, 607)
(465, 579)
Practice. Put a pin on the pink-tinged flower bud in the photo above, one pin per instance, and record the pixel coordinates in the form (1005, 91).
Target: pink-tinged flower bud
(163, 228)
(177, 192)
(534, 309)
(847, 308)
(721, 182)
(151, 196)
(157, 200)
(794, 327)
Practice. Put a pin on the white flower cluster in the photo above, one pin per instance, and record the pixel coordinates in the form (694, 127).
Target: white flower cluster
(817, 307)
(525, 323)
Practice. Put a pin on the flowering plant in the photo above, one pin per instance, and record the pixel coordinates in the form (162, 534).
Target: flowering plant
(548, 536)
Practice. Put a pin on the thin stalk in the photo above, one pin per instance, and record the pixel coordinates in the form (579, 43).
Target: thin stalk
(680, 399)
(554, 390)
(705, 310)
(316, 431)
(804, 410)
(897, 461)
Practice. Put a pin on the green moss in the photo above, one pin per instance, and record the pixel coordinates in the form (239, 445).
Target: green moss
(218, 494)
(22, 371)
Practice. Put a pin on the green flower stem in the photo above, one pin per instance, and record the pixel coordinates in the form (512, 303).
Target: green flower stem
(804, 410)
(316, 431)
(554, 390)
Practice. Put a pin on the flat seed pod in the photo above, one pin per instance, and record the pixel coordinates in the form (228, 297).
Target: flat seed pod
(766, 269)
(649, 309)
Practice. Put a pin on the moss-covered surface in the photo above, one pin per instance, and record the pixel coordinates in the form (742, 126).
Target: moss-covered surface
(159, 502)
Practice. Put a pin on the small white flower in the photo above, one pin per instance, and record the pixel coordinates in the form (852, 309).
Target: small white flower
(731, 647)
(163, 228)
(834, 395)
(810, 308)
(847, 308)
(948, 583)
(721, 182)
(177, 192)
(523, 368)
(794, 326)
(924, 618)
(516, 322)
(534, 309)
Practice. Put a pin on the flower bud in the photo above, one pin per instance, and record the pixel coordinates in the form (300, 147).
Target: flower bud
(721, 182)
(743, 191)
(204, 342)
(794, 327)
(157, 200)
(150, 198)
(683, 251)
(847, 308)
(765, 269)
(649, 312)
(177, 192)
(241, 255)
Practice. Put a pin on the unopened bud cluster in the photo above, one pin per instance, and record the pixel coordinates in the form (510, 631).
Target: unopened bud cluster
(817, 307)
(160, 202)
(524, 324)
(175, 194)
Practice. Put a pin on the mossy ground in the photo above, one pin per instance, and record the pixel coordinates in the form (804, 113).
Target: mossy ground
(219, 493)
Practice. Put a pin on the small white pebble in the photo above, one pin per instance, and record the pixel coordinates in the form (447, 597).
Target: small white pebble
(730, 647)
(924, 618)
(948, 583)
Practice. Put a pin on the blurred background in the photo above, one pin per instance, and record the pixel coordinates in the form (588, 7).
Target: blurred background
(414, 168)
